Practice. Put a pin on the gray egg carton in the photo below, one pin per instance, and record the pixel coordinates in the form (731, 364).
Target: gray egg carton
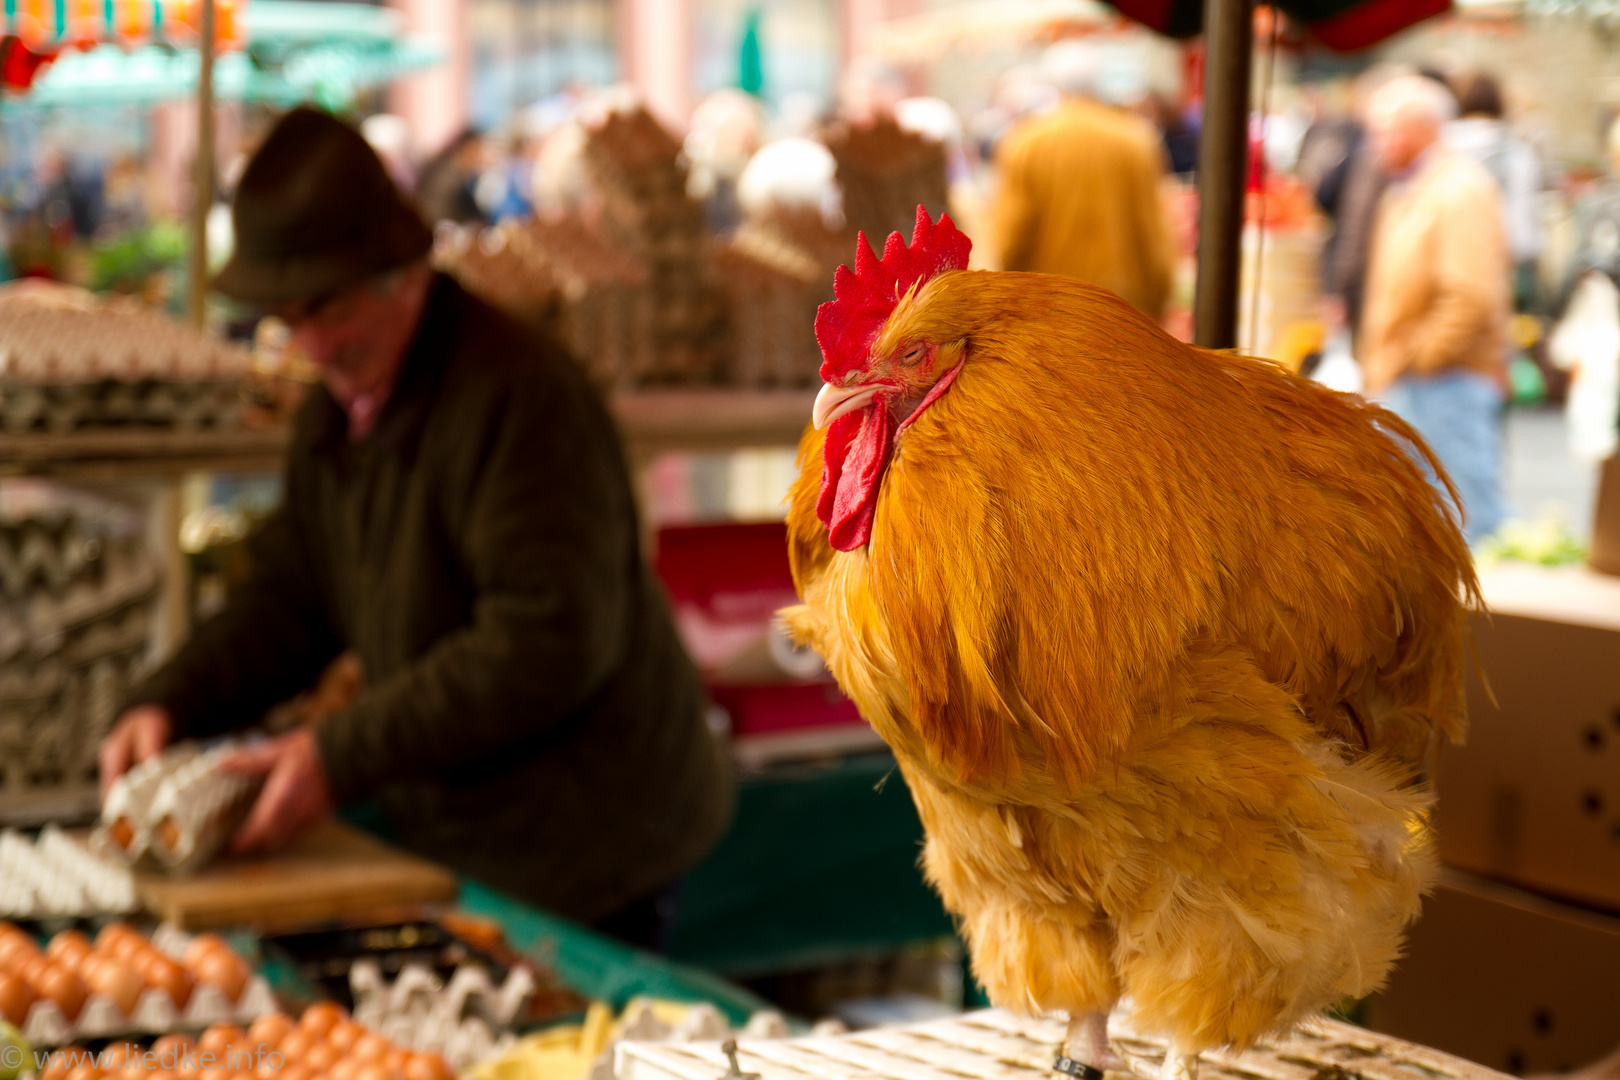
(76, 362)
(55, 875)
(155, 1012)
(466, 1019)
(175, 811)
(76, 616)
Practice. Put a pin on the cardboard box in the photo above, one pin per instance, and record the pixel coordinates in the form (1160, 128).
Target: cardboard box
(1505, 978)
(1533, 798)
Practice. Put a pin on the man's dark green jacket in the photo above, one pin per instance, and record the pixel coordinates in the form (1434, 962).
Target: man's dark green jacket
(530, 717)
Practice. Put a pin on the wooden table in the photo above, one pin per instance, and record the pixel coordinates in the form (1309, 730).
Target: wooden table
(332, 871)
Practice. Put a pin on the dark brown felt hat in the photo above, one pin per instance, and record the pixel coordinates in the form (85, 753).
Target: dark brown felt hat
(316, 211)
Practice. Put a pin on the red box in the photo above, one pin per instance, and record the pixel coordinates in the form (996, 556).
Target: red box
(726, 583)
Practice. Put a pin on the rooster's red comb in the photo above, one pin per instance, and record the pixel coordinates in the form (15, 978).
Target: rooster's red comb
(846, 326)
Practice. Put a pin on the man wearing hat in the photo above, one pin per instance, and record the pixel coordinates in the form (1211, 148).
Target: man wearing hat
(458, 514)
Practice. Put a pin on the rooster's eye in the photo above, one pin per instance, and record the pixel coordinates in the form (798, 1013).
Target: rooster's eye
(912, 354)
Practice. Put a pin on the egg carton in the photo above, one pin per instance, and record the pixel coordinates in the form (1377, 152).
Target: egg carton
(176, 810)
(55, 875)
(72, 362)
(155, 1012)
(466, 1019)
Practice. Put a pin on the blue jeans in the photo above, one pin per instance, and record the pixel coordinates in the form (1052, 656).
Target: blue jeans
(1457, 413)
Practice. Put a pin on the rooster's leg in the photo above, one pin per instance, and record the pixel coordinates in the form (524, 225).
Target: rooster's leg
(1179, 1065)
(1086, 1046)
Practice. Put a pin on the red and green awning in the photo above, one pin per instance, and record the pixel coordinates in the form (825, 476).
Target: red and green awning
(46, 26)
(1339, 24)
(35, 32)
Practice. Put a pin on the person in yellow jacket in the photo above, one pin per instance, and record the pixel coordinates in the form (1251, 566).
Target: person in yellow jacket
(1079, 188)
(1434, 331)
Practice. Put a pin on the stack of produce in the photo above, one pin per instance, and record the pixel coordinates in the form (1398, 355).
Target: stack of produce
(69, 360)
(56, 876)
(123, 983)
(636, 169)
(75, 609)
(177, 808)
(778, 268)
(886, 173)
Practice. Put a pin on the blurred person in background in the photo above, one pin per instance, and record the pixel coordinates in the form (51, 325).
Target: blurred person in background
(1586, 342)
(446, 186)
(458, 515)
(1079, 187)
(727, 128)
(1434, 335)
(1348, 192)
(1481, 131)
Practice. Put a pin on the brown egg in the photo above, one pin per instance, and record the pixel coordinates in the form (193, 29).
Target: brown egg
(218, 1072)
(122, 832)
(128, 946)
(218, 1038)
(343, 1036)
(30, 968)
(15, 945)
(322, 1017)
(56, 1067)
(370, 1047)
(172, 1052)
(377, 1071)
(168, 976)
(223, 969)
(16, 998)
(120, 1057)
(69, 947)
(296, 1043)
(272, 1070)
(320, 1057)
(428, 1067)
(270, 1029)
(115, 979)
(203, 944)
(343, 1069)
(395, 1058)
(64, 988)
(84, 1072)
(112, 932)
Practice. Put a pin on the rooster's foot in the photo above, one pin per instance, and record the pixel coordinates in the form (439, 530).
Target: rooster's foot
(1086, 1052)
(1177, 1065)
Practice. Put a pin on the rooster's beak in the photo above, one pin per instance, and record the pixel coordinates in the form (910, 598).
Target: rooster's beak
(835, 401)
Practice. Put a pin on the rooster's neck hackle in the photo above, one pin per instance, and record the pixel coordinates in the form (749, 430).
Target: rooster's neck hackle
(846, 326)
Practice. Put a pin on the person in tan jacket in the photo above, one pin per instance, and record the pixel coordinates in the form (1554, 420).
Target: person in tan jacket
(1434, 332)
(1079, 189)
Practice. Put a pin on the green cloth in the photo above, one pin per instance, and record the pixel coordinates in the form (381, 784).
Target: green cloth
(820, 866)
(530, 717)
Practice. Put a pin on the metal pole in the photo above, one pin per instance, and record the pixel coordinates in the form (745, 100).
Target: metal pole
(1223, 158)
(202, 166)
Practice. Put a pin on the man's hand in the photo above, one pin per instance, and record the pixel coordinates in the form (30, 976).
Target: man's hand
(295, 794)
(140, 733)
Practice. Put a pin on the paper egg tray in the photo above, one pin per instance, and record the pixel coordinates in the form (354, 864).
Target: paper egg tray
(176, 810)
(465, 1019)
(155, 1012)
(57, 876)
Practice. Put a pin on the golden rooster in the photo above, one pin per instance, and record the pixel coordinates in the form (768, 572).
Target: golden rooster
(1162, 639)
